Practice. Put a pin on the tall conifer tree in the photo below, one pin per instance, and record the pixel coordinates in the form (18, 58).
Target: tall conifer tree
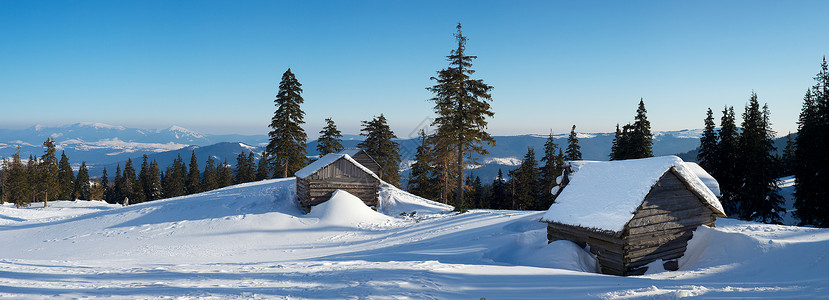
(175, 179)
(707, 156)
(462, 106)
(526, 182)
(421, 176)
(286, 148)
(82, 186)
(758, 197)
(641, 138)
(330, 140)
(154, 190)
(379, 144)
(107, 190)
(262, 169)
(193, 182)
(573, 148)
(66, 178)
(16, 188)
(727, 172)
(118, 186)
(498, 197)
(210, 180)
(131, 187)
(244, 169)
(225, 174)
(549, 172)
(49, 171)
(811, 161)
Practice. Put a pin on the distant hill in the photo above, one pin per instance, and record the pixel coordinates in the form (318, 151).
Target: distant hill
(102, 145)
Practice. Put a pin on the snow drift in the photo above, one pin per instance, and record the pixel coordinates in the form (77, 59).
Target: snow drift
(252, 241)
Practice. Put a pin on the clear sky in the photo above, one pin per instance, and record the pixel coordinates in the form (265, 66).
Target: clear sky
(214, 66)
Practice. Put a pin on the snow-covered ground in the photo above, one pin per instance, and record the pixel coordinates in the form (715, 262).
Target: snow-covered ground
(251, 241)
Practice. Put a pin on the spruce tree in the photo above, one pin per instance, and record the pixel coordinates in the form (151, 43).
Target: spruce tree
(244, 168)
(34, 176)
(144, 179)
(193, 181)
(758, 197)
(615, 147)
(707, 156)
(727, 172)
(16, 188)
(131, 187)
(573, 148)
(286, 148)
(641, 138)
(66, 178)
(330, 140)
(497, 198)
(175, 179)
(787, 159)
(549, 172)
(421, 176)
(379, 144)
(118, 186)
(445, 167)
(82, 187)
(225, 174)
(49, 171)
(262, 169)
(526, 182)
(811, 161)
(251, 163)
(154, 190)
(210, 180)
(462, 106)
(107, 190)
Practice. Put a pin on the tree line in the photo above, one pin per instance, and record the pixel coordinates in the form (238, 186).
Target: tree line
(46, 178)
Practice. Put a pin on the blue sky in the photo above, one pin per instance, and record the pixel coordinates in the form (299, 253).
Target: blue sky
(214, 66)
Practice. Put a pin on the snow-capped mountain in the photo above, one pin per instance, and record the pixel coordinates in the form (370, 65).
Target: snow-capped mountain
(102, 144)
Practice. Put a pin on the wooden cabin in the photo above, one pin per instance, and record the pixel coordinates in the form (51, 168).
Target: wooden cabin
(632, 212)
(362, 157)
(317, 181)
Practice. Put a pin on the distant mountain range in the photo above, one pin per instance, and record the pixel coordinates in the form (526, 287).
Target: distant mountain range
(102, 145)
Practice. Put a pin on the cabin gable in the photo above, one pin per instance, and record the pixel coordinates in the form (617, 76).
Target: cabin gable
(341, 174)
(663, 224)
(367, 161)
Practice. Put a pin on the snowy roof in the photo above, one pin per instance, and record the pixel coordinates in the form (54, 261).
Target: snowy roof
(350, 151)
(327, 160)
(706, 178)
(604, 195)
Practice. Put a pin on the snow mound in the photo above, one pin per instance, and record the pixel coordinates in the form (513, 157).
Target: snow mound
(344, 209)
(394, 201)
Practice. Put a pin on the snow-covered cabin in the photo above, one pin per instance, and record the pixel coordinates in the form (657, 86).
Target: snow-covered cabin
(316, 182)
(362, 157)
(632, 212)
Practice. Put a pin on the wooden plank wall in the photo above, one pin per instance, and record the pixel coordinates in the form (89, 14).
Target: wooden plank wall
(663, 224)
(365, 160)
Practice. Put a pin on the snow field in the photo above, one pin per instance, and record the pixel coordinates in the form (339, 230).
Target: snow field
(252, 241)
